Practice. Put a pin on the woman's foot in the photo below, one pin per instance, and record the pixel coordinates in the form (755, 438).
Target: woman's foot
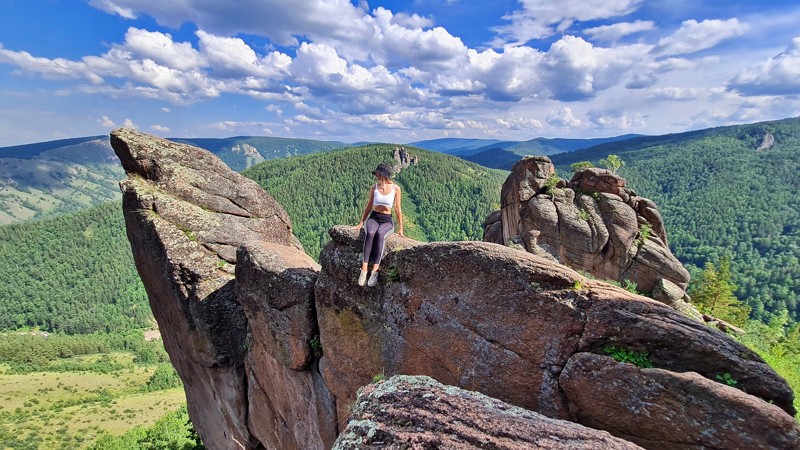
(362, 278)
(373, 279)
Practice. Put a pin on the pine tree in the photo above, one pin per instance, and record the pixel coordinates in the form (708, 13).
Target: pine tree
(713, 293)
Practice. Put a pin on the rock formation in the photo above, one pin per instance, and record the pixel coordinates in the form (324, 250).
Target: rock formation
(418, 412)
(767, 142)
(273, 347)
(188, 218)
(402, 159)
(592, 223)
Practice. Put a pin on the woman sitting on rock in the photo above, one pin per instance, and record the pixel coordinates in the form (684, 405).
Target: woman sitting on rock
(378, 216)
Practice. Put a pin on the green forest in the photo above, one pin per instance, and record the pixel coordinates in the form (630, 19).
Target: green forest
(444, 198)
(720, 195)
(72, 274)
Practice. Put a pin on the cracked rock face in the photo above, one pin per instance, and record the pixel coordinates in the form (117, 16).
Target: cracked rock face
(187, 214)
(593, 223)
(508, 324)
(418, 412)
(239, 303)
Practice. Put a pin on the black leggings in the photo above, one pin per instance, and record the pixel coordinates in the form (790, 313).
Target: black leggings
(377, 228)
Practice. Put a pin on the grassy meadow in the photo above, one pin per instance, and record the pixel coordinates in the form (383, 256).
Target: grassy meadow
(74, 401)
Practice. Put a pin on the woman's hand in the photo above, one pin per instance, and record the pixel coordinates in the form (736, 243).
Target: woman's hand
(400, 232)
(357, 227)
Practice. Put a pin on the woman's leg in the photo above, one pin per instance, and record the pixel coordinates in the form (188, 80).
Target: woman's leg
(384, 230)
(370, 229)
(379, 243)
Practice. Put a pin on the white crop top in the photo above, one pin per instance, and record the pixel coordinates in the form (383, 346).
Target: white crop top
(383, 200)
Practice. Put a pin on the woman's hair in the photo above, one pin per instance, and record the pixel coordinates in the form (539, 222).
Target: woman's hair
(381, 179)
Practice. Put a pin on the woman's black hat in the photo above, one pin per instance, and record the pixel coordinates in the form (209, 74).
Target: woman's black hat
(383, 170)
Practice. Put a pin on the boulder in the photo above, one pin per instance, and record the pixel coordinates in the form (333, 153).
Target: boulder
(662, 409)
(418, 412)
(276, 289)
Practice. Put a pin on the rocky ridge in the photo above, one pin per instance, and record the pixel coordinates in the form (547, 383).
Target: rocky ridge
(239, 305)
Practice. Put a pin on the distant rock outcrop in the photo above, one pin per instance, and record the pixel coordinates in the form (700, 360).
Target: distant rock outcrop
(402, 159)
(273, 348)
(591, 223)
(767, 142)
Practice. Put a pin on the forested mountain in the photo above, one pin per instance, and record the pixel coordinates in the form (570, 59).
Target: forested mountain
(466, 148)
(50, 178)
(72, 274)
(494, 158)
(460, 146)
(444, 198)
(47, 179)
(724, 191)
(241, 152)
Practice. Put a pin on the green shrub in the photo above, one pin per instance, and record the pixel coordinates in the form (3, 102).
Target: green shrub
(726, 378)
(581, 165)
(629, 286)
(623, 355)
(551, 183)
(164, 377)
(316, 346)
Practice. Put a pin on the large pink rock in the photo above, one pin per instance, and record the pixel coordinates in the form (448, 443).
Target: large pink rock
(418, 412)
(662, 409)
(484, 317)
(186, 215)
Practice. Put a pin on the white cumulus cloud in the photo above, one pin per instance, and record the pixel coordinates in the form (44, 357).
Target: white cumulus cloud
(160, 48)
(694, 36)
(543, 18)
(232, 57)
(778, 76)
(159, 128)
(616, 120)
(106, 122)
(614, 32)
(563, 118)
(281, 21)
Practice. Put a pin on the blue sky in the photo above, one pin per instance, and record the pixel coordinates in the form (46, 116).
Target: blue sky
(394, 71)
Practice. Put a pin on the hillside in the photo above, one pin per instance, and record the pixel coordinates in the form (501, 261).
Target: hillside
(720, 194)
(72, 274)
(467, 148)
(494, 158)
(444, 198)
(48, 179)
(460, 146)
(51, 178)
(241, 152)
